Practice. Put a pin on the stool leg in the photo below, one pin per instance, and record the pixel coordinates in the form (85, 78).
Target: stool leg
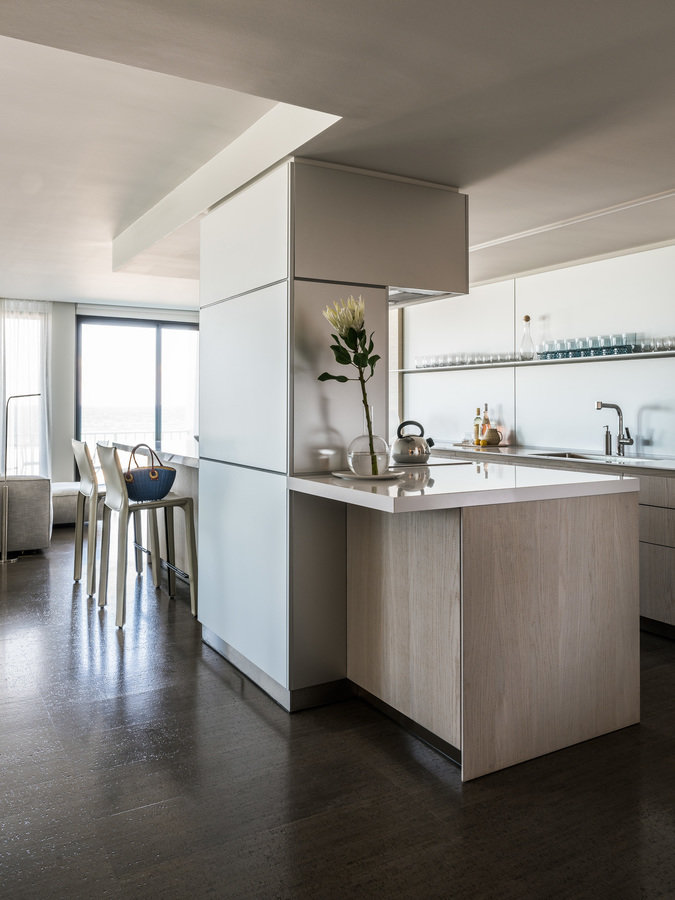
(105, 556)
(170, 549)
(92, 504)
(138, 541)
(154, 545)
(122, 540)
(79, 535)
(188, 509)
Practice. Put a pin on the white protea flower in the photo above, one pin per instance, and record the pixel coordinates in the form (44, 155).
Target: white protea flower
(347, 315)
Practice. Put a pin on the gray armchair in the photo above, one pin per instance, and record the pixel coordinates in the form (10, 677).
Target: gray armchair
(30, 512)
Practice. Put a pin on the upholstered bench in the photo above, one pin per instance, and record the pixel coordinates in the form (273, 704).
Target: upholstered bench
(64, 501)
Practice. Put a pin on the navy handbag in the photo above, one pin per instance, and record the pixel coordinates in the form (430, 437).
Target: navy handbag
(148, 482)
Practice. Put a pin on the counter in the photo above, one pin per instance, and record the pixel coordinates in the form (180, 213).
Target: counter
(535, 456)
(459, 485)
(171, 453)
(494, 611)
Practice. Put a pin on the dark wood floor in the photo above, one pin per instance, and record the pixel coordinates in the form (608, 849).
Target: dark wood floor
(138, 763)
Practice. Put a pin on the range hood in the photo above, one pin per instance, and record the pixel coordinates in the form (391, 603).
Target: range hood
(407, 296)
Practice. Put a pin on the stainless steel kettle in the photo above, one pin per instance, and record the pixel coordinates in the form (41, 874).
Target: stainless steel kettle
(411, 448)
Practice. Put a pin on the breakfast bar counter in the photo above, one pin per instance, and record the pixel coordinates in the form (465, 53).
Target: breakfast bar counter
(493, 609)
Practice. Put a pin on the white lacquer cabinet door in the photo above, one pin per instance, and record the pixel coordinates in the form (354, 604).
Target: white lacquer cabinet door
(243, 563)
(244, 242)
(243, 374)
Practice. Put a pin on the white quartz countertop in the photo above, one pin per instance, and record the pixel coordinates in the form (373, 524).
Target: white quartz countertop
(593, 462)
(461, 484)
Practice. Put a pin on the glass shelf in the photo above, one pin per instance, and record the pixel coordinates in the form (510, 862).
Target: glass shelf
(518, 363)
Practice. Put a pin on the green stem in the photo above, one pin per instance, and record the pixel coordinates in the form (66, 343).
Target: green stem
(369, 424)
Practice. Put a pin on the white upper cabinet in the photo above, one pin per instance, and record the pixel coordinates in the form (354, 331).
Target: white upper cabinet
(366, 229)
(244, 242)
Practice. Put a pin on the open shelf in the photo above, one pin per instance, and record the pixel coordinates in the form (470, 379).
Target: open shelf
(517, 363)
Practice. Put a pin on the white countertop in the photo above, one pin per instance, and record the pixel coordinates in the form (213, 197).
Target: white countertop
(183, 454)
(594, 462)
(462, 485)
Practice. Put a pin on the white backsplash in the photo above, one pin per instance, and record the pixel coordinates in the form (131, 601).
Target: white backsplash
(551, 405)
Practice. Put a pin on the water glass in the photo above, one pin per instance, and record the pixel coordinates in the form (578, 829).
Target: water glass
(605, 345)
(584, 346)
(572, 348)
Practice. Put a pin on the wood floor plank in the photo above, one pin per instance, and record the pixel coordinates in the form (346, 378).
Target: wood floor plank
(158, 770)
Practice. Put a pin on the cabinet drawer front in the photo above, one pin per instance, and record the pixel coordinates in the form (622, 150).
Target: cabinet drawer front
(657, 583)
(656, 490)
(657, 525)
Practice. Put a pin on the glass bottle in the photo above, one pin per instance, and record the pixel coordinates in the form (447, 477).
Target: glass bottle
(485, 424)
(476, 427)
(526, 343)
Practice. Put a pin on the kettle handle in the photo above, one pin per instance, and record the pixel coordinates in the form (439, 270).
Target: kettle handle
(409, 422)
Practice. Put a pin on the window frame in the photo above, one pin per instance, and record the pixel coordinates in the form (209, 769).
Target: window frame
(158, 325)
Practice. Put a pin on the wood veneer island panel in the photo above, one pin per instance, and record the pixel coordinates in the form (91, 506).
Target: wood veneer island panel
(403, 614)
(550, 627)
(547, 652)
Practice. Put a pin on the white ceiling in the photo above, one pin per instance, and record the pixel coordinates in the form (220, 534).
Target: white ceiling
(558, 120)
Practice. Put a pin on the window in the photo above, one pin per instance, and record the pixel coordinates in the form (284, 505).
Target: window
(137, 381)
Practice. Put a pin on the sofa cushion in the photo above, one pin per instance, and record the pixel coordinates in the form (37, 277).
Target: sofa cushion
(64, 501)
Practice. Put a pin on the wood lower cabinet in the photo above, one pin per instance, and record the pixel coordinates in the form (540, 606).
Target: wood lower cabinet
(657, 582)
(657, 548)
(507, 630)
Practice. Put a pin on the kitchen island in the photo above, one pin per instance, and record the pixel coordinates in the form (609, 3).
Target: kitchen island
(492, 609)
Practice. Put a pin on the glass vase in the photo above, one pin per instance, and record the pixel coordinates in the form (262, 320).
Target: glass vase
(361, 459)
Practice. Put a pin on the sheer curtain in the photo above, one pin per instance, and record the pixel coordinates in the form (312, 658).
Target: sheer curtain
(25, 341)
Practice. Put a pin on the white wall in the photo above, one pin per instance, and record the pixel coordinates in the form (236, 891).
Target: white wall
(553, 405)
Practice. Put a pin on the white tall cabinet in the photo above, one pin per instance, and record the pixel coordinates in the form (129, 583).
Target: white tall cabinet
(272, 585)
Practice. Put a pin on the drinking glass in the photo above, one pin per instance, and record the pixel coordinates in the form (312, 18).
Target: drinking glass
(605, 344)
(584, 346)
(572, 347)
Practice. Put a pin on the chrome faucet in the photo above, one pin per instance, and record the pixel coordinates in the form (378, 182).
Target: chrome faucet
(622, 440)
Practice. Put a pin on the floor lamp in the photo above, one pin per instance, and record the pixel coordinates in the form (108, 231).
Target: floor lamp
(5, 486)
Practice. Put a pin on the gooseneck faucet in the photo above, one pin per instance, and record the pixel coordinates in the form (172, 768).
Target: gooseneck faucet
(622, 440)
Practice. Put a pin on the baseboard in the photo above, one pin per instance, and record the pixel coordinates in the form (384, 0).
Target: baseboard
(290, 700)
(447, 749)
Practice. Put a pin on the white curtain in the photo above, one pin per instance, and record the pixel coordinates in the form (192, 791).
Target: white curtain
(25, 341)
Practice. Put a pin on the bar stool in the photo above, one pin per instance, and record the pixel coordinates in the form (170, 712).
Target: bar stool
(117, 500)
(88, 495)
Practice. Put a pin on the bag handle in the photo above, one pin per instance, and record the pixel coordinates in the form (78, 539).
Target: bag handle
(154, 459)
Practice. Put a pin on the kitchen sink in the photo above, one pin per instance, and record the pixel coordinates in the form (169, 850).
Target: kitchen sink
(598, 458)
(563, 455)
